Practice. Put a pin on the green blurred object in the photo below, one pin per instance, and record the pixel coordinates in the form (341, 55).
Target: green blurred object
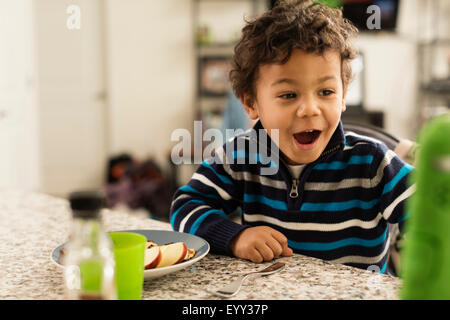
(91, 274)
(426, 256)
(332, 3)
(89, 260)
(129, 253)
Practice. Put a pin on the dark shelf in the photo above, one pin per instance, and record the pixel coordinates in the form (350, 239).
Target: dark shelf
(437, 86)
(362, 116)
(224, 50)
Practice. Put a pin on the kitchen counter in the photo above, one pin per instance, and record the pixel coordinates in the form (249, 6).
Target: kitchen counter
(33, 224)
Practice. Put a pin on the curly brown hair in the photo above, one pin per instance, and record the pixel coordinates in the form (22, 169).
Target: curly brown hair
(300, 24)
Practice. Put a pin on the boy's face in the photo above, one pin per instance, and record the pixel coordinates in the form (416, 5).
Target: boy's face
(303, 99)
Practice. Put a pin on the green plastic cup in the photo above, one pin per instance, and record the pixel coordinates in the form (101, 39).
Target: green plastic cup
(129, 252)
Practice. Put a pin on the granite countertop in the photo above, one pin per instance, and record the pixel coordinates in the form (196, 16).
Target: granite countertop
(33, 224)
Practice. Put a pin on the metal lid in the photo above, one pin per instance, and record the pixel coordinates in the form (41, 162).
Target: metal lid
(86, 204)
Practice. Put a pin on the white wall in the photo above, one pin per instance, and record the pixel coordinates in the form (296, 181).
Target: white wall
(150, 74)
(390, 76)
(70, 84)
(19, 160)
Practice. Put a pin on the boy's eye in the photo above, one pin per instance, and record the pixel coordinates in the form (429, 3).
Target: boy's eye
(289, 95)
(325, 92)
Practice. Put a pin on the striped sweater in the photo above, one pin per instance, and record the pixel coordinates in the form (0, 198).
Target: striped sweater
(344, 204)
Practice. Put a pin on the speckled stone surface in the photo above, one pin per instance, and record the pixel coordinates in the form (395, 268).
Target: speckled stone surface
(32, 225)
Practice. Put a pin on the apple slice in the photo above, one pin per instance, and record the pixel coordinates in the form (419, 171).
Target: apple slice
(150, 244)
(152, 257)
(172, 254)
(189, 254)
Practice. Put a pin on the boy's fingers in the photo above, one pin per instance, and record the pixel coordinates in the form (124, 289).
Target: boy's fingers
(265, 251)
(281, 238)
(255, 256)
(287, 252)
(275, 246)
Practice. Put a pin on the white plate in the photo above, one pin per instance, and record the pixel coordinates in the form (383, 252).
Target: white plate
(160, 237)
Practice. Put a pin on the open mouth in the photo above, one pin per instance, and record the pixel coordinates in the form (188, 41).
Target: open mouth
(307, 137)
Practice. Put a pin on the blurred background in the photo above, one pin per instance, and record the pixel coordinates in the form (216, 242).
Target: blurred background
(91, 90)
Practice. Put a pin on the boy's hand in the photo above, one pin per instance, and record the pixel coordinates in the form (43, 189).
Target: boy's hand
(260, 244)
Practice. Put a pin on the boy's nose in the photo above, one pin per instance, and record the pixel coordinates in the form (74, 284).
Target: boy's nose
(308, 107)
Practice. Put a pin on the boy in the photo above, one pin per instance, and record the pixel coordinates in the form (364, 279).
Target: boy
(333, 194)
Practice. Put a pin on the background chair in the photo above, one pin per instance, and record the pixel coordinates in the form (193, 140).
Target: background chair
(405, 149)
(374, 132)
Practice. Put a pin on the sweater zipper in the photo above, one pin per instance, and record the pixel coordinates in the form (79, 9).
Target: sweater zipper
(295, 182)
(294, 189)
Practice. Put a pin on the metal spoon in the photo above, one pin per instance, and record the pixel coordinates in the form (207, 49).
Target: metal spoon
(234, 287)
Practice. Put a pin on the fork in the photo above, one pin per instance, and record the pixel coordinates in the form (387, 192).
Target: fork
(233, 288)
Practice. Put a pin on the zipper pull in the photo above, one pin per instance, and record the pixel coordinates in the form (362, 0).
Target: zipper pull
(294, 189)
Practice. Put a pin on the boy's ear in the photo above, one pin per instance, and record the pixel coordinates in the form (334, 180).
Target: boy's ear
(344, 107)
(250, 107)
